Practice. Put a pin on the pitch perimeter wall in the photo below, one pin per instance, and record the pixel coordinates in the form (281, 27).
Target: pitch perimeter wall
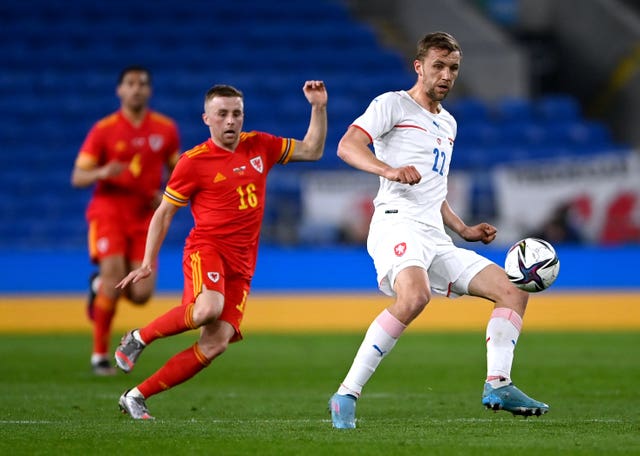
(322, 270)
(323, 290)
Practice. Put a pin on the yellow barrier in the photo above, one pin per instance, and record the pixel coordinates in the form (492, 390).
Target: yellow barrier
(337, 312)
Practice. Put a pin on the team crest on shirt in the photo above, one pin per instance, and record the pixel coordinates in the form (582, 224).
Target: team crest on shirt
(156, 142)
(138, 141)
(400, 249)
(102, 244)
(256, 162)
(213, 276)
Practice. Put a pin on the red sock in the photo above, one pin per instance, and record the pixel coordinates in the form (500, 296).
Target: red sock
(178, 369)
(176, 320)
(103, 312)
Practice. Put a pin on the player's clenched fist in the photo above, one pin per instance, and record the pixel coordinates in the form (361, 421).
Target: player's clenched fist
(316, 92)
(404, 175)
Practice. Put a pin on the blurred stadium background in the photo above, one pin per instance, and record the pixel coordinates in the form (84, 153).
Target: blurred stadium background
(548, 108)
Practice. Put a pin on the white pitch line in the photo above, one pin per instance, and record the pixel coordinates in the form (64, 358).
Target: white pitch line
(28, 422)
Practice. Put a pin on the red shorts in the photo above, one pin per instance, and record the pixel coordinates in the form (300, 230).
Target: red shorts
(207, 267)
(112, 235)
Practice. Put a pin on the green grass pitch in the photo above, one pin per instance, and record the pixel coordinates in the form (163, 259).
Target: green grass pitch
(268, 396)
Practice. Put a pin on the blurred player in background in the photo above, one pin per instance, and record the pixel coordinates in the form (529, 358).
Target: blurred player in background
(224, 179)
(413, 139)
(127, 155)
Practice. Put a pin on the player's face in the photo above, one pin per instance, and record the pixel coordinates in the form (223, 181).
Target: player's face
(135, 90)
(437, 72)
(224, 116)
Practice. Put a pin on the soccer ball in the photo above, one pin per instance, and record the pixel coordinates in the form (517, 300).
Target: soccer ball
(532, 264)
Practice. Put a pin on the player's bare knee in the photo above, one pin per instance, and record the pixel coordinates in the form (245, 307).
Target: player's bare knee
(139, 299)
(419, 301)
(421, 296)
(203, 315)
(139, 293)
(411, 304)
(108, 287)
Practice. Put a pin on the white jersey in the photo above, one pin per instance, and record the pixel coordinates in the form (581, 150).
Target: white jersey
(404, 133)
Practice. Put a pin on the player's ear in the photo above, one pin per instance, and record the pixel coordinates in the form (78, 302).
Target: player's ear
(205, 118)
(417, 66)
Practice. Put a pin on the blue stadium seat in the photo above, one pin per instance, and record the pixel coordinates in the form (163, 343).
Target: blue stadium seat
(468, 109)
(478, 134)
(525, 133)
(472, 158)
(557, 107)
(580, 133)
(512, 109)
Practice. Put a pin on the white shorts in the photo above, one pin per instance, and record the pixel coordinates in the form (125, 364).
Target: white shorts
(397, 243)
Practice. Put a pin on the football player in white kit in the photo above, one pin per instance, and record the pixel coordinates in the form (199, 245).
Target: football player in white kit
(413, 137)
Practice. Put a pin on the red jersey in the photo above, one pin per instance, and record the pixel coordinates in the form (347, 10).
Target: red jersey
(146, 148)
(227, 194)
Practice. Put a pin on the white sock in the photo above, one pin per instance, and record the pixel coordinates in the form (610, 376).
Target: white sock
(135, 392)
(380, 338)
(95, 283)
(97, 357)
(502, 334)
(136, 335)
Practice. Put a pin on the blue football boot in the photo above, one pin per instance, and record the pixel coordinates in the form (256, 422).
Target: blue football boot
(511, 399)
(343, 411)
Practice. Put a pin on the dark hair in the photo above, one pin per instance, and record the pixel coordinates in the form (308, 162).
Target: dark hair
(222, 90)
(133, 69)
(438, 40)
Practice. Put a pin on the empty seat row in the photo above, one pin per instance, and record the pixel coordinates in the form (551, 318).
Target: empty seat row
(476, 158)
(561, 133)
(550, 107)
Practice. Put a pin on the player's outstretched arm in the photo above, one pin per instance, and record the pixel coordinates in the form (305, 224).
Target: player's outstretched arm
(311, 147)
(353, 148)
(158, 228)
